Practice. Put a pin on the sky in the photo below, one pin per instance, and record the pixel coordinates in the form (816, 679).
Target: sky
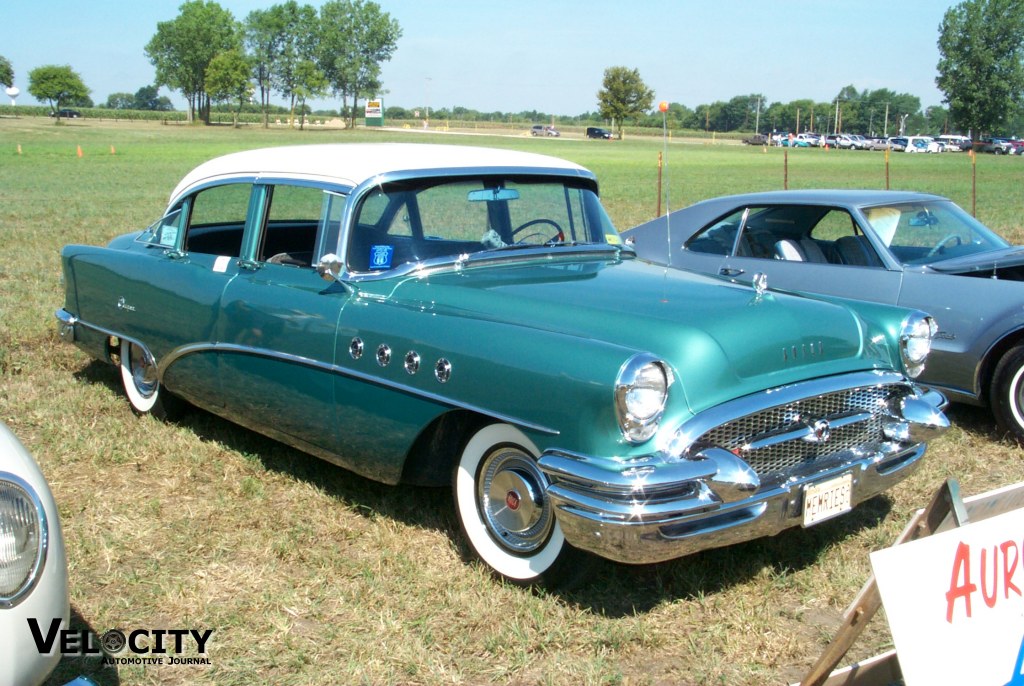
(543, 55)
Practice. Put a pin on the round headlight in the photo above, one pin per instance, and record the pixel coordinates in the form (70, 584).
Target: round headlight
(916, 336)
(641, 391)
(22, 539)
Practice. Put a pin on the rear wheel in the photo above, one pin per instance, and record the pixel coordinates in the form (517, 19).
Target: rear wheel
(141, 384)
(1007, 393)
(504, 512)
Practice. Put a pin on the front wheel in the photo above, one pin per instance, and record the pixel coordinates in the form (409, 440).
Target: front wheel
(141, 385)
(1007, 393)
(504, 512)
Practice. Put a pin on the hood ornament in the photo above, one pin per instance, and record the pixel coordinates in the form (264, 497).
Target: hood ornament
(760, 283)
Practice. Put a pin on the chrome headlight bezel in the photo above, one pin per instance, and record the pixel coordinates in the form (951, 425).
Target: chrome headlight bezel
(641, 393)
(24, 538)
(916, 335)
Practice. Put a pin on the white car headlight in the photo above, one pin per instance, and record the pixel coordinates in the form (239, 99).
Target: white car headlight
(916, 336)
(641, 391)
(23, 535)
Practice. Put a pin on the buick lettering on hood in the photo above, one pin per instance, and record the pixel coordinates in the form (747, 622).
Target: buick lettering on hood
(450, 315)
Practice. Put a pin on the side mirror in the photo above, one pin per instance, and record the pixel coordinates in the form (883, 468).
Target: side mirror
(329, 267)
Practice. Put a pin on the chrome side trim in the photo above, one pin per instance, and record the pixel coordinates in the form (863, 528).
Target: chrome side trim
(330, 368)
(64, 317)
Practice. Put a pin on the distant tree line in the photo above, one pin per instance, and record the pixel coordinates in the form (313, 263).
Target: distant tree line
(303, 54)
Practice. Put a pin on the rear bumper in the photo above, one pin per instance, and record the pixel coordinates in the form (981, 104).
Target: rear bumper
(663, 506)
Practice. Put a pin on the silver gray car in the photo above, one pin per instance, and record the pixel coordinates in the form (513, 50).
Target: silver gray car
(909, 249)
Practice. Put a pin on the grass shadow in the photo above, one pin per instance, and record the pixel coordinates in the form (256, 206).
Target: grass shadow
(623, 590)
(71, 667)
(611, 589)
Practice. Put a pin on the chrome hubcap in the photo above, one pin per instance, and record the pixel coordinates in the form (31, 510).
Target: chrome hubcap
(143, 371)
(511, 498)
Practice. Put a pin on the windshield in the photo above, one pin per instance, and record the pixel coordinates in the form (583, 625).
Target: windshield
(429, 219)
(926, 232)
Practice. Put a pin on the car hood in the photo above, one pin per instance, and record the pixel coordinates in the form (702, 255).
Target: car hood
(723, 339)
(989, 261)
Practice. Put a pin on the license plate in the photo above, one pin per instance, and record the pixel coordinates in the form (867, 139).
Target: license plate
(827, 499)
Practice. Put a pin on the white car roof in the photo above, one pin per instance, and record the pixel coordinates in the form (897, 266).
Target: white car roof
(350, 164)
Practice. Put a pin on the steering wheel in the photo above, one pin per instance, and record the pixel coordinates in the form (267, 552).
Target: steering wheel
(558, 236)
(949, 238)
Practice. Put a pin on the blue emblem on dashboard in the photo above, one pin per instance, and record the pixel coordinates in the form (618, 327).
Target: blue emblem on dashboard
(380, 256)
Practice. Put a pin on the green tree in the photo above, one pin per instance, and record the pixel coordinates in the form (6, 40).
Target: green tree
(6, 72)
(57, 85)
(981, 64)
(623, 95)
(120, 101)
(182, 49)
(297, 49)
(149, 98)
(310, 82)
(355, 37)
(228, 79)
(277, 39)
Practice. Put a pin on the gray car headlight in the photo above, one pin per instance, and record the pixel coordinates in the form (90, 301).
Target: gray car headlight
(23, 535)
(916, 334)
(641, 391)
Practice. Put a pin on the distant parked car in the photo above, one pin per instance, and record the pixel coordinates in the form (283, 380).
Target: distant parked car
(539, 130)
(901, 248)
(840, 140)
(756, 139)
(812, 139)
(33, 565)
(66, 114)
(1017, 148)
(994, 145)
(598, 132)
(878, 144)
(858, 142)
(450, 315)
(954, 143)
(922, 144)
(897, 143)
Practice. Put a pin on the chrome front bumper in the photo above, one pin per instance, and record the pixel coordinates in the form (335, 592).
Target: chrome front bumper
(666, 505)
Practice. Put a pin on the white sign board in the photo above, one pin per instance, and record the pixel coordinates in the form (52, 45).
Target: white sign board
(955, 603)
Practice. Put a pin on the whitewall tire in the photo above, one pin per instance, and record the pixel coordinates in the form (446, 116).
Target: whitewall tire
(503, 510)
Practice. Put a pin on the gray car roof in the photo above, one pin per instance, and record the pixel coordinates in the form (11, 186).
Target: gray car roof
(845, 197)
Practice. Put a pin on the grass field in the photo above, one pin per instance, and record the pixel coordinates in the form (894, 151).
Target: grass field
(308, 574)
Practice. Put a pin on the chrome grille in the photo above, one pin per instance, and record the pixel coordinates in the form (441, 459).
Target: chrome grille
(775, 461)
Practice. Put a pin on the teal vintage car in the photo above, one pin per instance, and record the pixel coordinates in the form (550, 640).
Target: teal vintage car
(456, 315)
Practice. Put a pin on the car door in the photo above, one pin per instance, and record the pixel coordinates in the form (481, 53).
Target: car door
(278, 320)
(169, 301)
(811, 248)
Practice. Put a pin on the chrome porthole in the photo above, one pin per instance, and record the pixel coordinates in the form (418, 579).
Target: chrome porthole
(443, 370)
(412, 362)
(384, 354)
(355, 348)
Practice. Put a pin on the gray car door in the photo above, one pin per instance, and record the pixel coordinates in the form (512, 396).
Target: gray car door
(816, 250)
